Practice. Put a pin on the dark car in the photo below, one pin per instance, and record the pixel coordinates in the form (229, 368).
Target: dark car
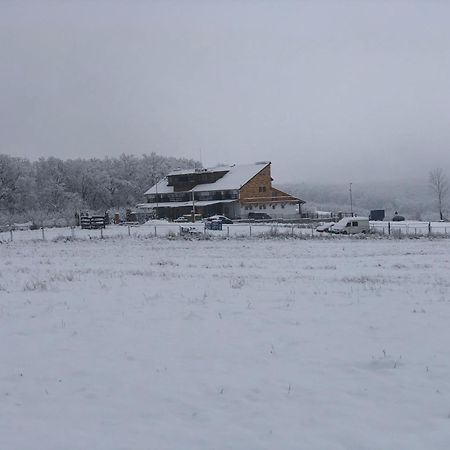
(258, 216)
(219, 218)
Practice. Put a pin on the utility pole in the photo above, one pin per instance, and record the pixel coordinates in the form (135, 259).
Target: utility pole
(157, 202)
(351, 199)
(193, 206)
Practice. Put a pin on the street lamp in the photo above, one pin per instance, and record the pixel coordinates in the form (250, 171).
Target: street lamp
(351, 199)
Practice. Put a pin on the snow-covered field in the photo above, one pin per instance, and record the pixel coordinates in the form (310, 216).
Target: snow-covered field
(225, 344)
(411, 227)
(163, 228)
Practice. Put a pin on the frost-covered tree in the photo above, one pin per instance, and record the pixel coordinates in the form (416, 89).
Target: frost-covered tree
(17, 185)
(52, 188)
(439, 185)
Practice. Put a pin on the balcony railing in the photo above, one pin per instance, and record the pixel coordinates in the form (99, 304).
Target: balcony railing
(198, 196)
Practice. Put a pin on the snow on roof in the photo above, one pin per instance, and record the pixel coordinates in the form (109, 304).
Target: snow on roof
(235, 178)
(160, 187)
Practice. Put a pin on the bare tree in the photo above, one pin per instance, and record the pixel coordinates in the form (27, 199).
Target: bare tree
(439, 185)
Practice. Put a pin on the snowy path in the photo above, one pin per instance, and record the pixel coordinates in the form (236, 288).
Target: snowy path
(240, 344)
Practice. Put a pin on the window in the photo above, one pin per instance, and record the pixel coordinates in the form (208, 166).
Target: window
(264, 206)
(282, 206)
(274, 193)
(260, 206)
(354, 224)
(273, 206)
(264, 189)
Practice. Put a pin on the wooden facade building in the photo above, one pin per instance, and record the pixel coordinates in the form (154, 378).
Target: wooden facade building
(235, 191)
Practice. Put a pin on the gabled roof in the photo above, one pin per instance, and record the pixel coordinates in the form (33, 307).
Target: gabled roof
(160, 187)
(235, 178)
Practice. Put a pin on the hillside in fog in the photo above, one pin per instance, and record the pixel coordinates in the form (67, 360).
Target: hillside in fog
(411, 198)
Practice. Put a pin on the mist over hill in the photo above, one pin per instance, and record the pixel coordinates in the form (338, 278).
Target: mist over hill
(411, 198)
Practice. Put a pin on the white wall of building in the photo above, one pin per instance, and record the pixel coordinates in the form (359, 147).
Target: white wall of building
(276, 210)
(234, 210)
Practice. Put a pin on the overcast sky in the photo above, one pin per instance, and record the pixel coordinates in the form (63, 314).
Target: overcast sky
(338, 90)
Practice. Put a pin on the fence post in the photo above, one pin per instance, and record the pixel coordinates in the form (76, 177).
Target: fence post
(228, 231)
(129, 230)
(389, 228)
(101, 233)
(156, 233)
(43, 233)
(429, 228)
(312, 230)
(72, 232)
(292, 230)
(180, 230)
(11, 234)
(250, 230)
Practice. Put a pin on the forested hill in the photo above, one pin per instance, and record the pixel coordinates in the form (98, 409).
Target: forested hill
(57, 188)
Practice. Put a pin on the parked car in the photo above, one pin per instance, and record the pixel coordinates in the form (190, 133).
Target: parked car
(258, 216)
(188, 218)
(351, 225)
(218, 218)
(327, 227)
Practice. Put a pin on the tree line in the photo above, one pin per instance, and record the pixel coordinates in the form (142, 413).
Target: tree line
(56, 188)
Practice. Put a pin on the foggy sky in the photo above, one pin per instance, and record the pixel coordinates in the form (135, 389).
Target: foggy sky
(328, 90)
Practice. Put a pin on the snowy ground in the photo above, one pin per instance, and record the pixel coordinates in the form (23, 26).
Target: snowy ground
(411, 227)
(239, 229)
(230, 344)
(161, 229)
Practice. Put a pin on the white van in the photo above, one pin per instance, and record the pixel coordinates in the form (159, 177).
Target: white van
(351, 225)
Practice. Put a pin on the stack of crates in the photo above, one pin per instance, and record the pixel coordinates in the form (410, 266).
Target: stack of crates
(92, 223)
